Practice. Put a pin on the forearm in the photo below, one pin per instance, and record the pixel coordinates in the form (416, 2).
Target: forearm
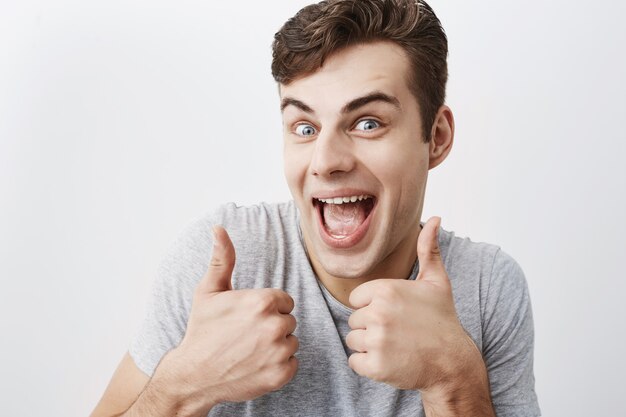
(168, 395)
(468, 393)
(154, 403)
(472, 401)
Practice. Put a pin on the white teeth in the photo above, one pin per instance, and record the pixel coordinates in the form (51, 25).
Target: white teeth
(341, 200)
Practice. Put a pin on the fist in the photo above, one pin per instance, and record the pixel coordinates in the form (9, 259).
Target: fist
(239, 343)
(406, 333)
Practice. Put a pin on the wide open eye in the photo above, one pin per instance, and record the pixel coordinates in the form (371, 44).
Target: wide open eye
(305, 130)
(367, 124)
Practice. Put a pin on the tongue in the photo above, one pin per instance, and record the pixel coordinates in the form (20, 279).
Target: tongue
(343, 219)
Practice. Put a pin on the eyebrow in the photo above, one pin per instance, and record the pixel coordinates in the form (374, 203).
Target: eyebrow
(350, 106)
(369, 98)
(288, 101)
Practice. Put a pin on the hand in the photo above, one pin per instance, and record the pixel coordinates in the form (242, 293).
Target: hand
(406, 333)
(239, 343)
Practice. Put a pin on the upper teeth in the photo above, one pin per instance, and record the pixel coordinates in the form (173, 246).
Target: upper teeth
(341, 200)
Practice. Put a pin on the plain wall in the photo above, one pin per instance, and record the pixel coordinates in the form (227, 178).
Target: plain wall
(122, 121)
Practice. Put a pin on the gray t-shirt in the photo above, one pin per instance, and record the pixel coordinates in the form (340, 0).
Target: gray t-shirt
(490, 294)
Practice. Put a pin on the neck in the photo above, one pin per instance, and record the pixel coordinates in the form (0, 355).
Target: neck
(397, 265)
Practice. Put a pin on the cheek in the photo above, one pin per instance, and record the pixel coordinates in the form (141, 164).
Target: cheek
(399, 166)
(295, 166)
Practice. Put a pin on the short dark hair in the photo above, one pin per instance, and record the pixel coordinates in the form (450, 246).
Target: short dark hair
(306, 40)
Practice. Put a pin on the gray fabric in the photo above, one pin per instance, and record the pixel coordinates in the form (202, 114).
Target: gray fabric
(489, 289)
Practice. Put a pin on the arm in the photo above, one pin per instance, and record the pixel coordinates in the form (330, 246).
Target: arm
(238, 345)
(131, 393)
(460, 398)
(407, 334)
(125, 387)
(503, 371)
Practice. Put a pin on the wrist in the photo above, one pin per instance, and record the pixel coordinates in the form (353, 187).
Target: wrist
(463, 392)
(459, 402)
(173, 391)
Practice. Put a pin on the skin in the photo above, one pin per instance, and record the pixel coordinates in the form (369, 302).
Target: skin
(239, 344)
(405, 333)
(390, 162)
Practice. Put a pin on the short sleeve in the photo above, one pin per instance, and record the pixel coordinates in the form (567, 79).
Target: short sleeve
(169, 303)
(508, 340)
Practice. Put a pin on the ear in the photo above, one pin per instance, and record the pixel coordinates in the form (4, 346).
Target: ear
(441, 136)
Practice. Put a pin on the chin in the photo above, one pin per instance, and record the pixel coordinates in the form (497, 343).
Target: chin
(345, 266)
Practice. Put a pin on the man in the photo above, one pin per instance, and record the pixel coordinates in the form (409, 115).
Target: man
(340, 303)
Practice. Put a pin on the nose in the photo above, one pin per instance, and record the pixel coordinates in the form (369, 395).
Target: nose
(333, 154)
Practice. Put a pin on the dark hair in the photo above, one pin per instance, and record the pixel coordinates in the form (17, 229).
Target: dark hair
(301, 46)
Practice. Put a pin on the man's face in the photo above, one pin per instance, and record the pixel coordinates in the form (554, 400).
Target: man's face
(353, 134)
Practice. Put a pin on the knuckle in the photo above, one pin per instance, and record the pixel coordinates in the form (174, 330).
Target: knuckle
(350, 340)
(376, 367)
(358, 319)
(285, 351)
(280, 375)
(294, 344)
(357, 365)
(435, 251)
(265, 301)
(377, 340)
(275, 327)
(352, 363)
(274, 381)
(287, 298)
(382, 318)
(387, 292)
(290, 324)
(222, 262)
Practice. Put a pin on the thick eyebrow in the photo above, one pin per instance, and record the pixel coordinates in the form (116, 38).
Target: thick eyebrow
(288, 101)
(369, 98)
(349, 107)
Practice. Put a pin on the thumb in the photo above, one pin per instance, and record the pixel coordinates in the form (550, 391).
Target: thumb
(218, 275)
(428, 254)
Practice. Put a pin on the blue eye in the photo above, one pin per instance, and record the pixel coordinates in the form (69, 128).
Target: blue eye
(305, 130)
(367, 124)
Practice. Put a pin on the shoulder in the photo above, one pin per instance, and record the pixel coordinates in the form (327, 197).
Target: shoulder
(462, 256)
(240, 221)
(255, 230)
(266, 238)
(256, 217)
(260, 227)
(493, 303)
(488, 284)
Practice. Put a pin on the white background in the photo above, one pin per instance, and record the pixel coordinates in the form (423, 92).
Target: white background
(122, 121)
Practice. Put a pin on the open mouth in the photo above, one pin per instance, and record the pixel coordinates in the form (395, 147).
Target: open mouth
(344, 220)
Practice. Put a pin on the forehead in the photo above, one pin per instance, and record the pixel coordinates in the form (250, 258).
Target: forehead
(351, 72)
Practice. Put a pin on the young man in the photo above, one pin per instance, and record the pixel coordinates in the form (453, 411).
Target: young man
(340, 303)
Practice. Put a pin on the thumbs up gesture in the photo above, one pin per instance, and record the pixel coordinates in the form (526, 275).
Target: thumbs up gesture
(239, 343)
(406, 333)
